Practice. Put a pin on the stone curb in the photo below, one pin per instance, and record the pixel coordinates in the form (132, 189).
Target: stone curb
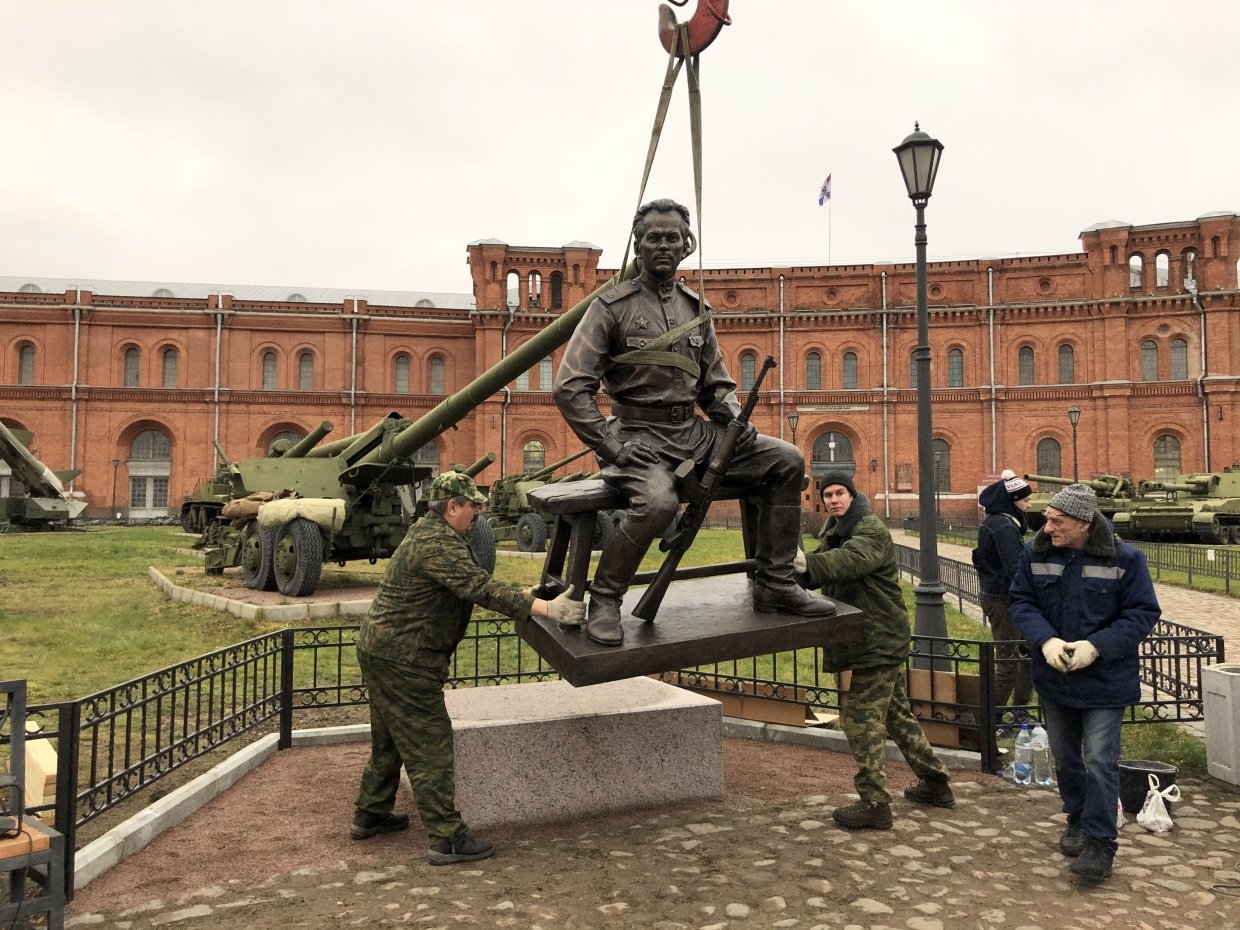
(281, 613)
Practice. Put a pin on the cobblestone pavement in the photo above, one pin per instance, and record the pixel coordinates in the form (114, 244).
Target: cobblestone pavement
(991, 862)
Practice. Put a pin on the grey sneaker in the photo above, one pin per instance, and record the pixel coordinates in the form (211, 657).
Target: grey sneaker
(462, 848)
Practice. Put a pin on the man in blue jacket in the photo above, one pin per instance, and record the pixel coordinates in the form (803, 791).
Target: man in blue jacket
(1084, 601)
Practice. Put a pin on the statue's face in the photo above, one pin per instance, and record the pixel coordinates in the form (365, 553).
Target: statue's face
(662, 244)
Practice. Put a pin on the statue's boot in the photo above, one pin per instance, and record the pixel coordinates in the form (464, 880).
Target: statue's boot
(616, 566)
(775, 590)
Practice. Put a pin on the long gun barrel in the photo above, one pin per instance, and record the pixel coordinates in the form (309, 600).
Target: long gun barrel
(679, 541)
(548, 470)
(454, 408)
(478, 466)
(305, 445)
(1109, 485)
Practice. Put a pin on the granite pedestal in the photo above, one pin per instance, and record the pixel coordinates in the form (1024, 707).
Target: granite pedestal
(547, 751)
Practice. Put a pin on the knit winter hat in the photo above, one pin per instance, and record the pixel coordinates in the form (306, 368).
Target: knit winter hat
(1076, 500)
(1017, 488)
(839, 478)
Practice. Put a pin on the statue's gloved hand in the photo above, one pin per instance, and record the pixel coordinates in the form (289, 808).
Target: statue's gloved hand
(633, 452)
(1083, 654)
(1057, 654)
(563, 609)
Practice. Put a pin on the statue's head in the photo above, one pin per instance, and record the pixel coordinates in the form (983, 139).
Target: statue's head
(662, 238)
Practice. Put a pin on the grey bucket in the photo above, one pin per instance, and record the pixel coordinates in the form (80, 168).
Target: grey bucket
(1134, 781)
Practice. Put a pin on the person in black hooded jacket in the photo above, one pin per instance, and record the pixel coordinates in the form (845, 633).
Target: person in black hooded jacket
(1000, 541)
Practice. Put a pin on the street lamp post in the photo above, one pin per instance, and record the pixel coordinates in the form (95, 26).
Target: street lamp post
(793, 420)
(116, 463)
(1074, 416)
(919, 156)
(938, 507)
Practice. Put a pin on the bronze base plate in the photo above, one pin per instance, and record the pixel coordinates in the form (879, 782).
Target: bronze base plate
(701, 621)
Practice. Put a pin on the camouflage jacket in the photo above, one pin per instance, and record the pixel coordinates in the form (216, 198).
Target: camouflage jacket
(626, 318)
(422, 608)
(856, 563)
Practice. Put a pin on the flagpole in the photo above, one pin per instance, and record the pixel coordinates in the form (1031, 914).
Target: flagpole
(828, 232)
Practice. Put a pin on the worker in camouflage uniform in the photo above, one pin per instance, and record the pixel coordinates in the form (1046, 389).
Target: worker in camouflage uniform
(404, 647)
(856, 563)
(659, 360)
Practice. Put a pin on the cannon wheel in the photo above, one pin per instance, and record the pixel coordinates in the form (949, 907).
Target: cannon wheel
(298, 560)
(256, 548)
(531, 533)
(482, 541)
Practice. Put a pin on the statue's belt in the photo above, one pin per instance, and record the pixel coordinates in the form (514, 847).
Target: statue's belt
(675, 413)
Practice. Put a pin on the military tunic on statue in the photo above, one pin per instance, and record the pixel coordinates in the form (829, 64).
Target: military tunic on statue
(405, 645)
(656, 399)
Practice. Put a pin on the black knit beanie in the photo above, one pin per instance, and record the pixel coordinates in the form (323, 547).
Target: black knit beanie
(839, 478)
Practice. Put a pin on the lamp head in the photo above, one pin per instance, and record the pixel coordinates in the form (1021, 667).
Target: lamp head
(919, 157)
(1074, 415)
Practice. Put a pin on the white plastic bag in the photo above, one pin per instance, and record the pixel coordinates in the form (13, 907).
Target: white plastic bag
(1153, 814)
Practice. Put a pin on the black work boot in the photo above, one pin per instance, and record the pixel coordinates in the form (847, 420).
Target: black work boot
(862, 816)
(774, 589)
(616, 566)
(1072, 843)
(1093, 865)
(365, 824)
(934, 792)
(461, 848)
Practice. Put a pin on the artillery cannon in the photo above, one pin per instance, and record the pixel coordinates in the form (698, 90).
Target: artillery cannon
(354, 498)
(45, 504)
(1115, 493)
(513, 515)
(1200, 507)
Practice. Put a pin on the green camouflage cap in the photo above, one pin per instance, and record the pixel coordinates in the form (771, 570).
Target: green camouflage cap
(454, 484)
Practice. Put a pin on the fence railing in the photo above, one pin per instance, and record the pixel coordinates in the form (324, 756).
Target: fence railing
(115, 744)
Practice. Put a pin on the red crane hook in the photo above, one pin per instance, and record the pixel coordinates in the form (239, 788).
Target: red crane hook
(703, 26)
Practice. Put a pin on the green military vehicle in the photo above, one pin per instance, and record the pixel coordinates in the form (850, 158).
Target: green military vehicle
(353, 498)
(44, 504)
(1200, 507)
(1115, 493)
(512, 514)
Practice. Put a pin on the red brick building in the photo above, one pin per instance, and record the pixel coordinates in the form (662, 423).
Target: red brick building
(131, 382)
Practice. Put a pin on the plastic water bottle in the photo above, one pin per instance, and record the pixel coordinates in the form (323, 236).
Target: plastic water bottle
(1022, 768)
(1040, 745)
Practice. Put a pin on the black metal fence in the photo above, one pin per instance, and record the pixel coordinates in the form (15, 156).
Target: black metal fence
(115, 744)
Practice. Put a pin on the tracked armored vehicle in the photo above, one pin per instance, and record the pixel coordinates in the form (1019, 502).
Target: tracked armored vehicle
(1115, 493)
(1201, 507)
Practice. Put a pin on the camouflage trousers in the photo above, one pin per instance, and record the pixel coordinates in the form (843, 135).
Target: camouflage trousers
(878, 707)
(409, 725)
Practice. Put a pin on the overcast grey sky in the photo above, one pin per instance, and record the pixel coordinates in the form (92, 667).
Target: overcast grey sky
(364, 144)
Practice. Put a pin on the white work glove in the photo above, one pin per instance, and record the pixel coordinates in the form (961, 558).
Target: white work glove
(1057, 653)
(1083, 654)
(563, 609)
(798, 562)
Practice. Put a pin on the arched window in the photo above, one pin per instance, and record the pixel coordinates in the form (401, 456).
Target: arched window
(133, 366)
(425, 304)
(25, 364)
(545, 377)
(849, 379)
(437, 380)
(1067, 364)
(1189, 260)
(1179, 360)
(428, 455)
(284, 440)
(1162, 269)
(832, 452)
(942, 464)
(1024, 365)
(557, 290)
(400, 374)
(955, 368)
(1136, 270)
(269, 371)
(1149, 360)
(535, 286)
(150, 464)
(162, 292)
(171, 359)
(533, 456)
(1167, 464)
(305, 371)
(912, 369)
(749, 370)
(513, 282)
(35, 289)
(1050, 460)
(1114, 254)
(813, 372)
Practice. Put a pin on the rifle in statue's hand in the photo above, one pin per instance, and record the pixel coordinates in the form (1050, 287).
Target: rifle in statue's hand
(701, 493)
